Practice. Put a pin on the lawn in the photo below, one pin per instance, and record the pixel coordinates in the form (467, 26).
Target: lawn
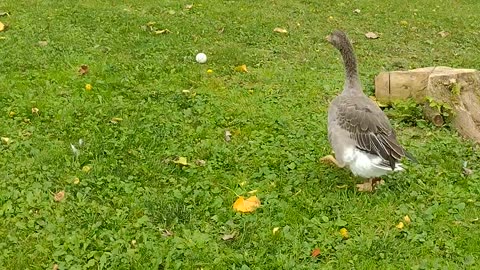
(128, 205)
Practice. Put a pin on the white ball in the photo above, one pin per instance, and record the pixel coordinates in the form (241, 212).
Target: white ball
(201, 58)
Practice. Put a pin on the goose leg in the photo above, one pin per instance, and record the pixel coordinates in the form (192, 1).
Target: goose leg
(370, 184)
(330, 159)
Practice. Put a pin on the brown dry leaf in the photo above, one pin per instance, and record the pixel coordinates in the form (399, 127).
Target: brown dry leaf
(443, 34)
(59, 196)
(371, 35)
(42, 43)
(116, 120)
(241, 68)
(280, 30)
(228, 236)
(246, 205)
(83, 70)
(370, 185)
(315, 252)
(189, 6)
(2, 26)
(162, 31)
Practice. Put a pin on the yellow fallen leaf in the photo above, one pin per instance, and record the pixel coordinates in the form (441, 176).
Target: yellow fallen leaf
(275, 230)
(209, 71)
(404, 23)
(374, 98)
(2, 26)
(88, 87)
(407, 219)
(5, 140)
(116, 120)
(76, 181)
(344, 233)
(181, 161)
(250, 91)
(241, 68)
(246, 206)
(400, 225)
(55, 267)
(12, 114)
(59, 196)
(86, 168)
(280, 30)
(162, 31)
(330, 18)
(189, 6)
(35, 110)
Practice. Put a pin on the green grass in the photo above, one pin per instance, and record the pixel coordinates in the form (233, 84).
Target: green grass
(134, 191)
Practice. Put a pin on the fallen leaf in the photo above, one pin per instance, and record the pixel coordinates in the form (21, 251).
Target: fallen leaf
(42, 43)
(400, 225)
(246, 206)
(407, 219)
(344, 233)
(76, 181)
(2, 26)
(371, 35)
(370, 185)
(55, 267)
(167, 233)
(88, 87)
(374, 98)
(221, 30)
(200, 162)
(134, 243)
(59, 196)
(228, 135)
(116, 120)
(5, 140)
(182, 161)
(250, 91)
(280, 30)
(228, 236)
(209, 71)
(35, 110)
(190, 6)
(252, 192)
(11, 114)
(443, 33)
(330, 18)
(315, 252)
(86, 169)
(403, 23)
(275, 230)
(241, 68)
(357, 11)
(83, 70)
(162, 31)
